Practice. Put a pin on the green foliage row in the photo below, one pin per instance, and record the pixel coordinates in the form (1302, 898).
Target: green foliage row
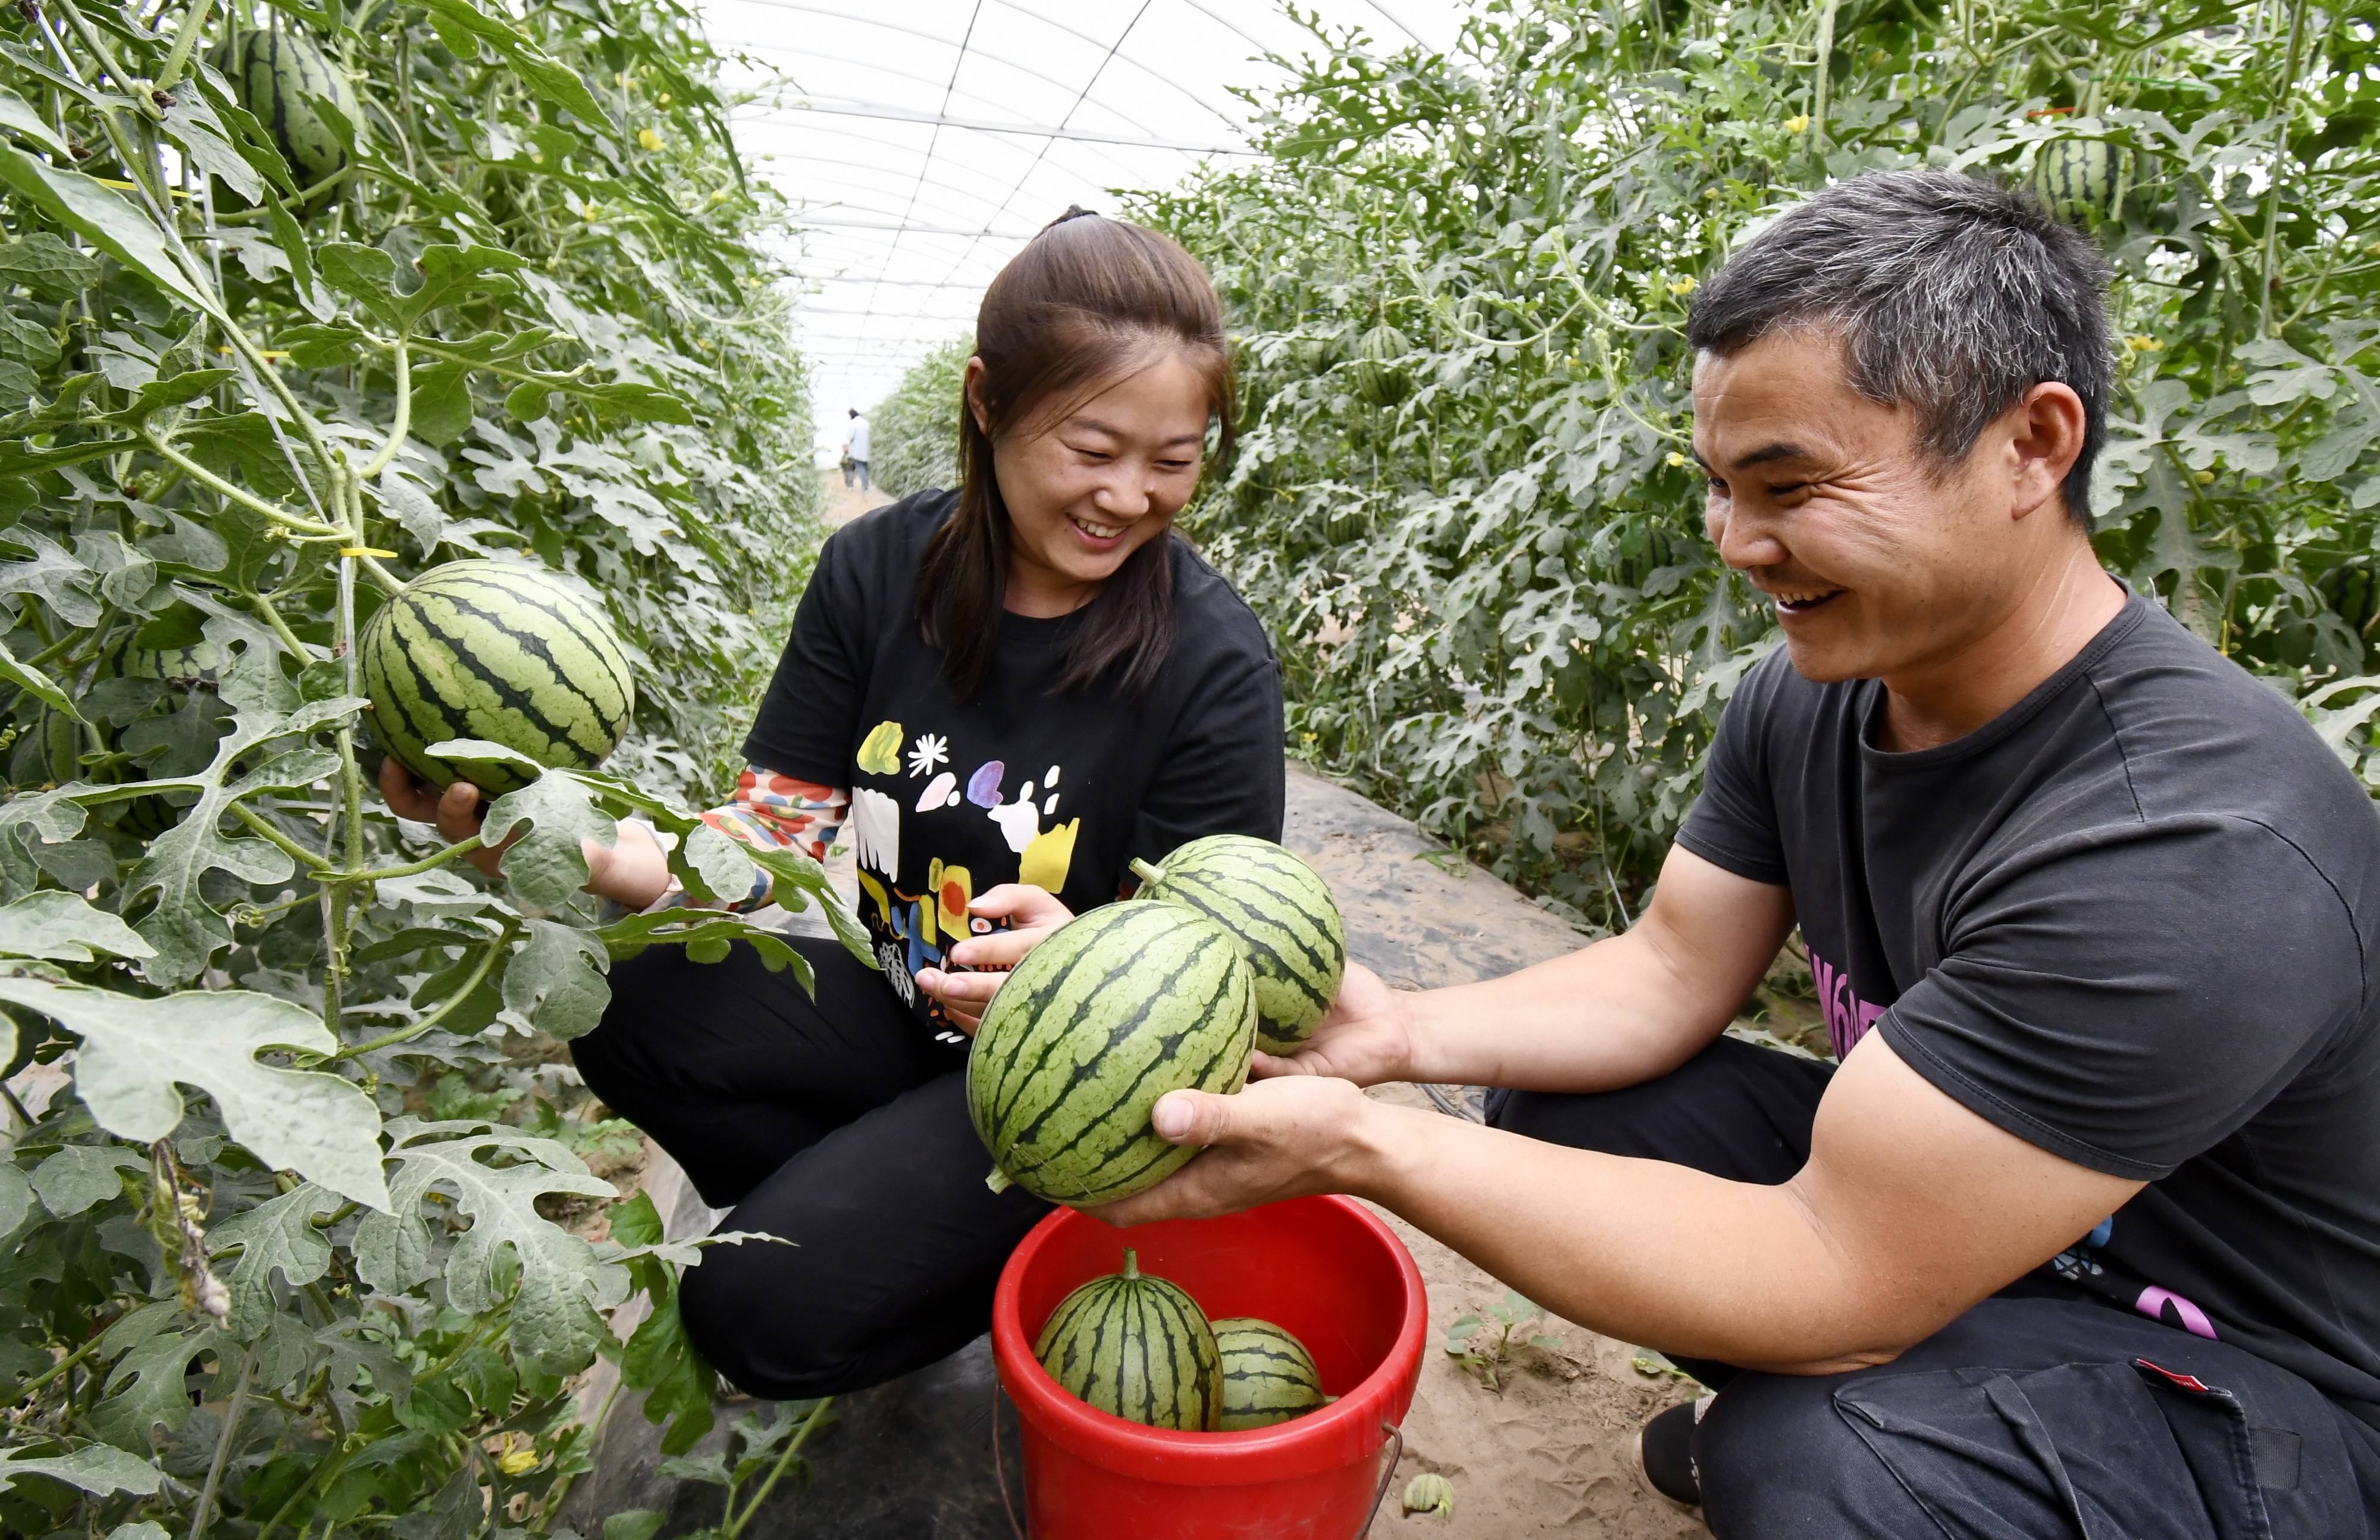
(915, 429)
(1465, 503)
(285, 1247)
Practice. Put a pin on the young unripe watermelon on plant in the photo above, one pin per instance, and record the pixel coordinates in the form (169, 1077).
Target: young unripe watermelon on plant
(1279, 910)
(1379, 378)
(1138, 1348)
(273, 73)
(2352, 591)
(1268, 1375)
(2077, 178)
(487, 650)
(1113, 1011)
(46, 750)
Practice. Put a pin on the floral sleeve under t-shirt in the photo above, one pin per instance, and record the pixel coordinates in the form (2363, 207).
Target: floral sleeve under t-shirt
(1020, 784)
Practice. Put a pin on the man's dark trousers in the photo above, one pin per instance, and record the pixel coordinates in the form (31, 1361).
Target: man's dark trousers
(2043, 1414)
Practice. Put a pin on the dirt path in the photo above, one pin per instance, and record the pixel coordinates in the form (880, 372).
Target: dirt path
(845, 504)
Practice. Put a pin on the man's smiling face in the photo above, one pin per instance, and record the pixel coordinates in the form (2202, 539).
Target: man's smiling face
(1878, 557)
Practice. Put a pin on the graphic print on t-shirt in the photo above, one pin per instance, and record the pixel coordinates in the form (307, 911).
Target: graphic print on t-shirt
(916, 930)
(1848, 1016)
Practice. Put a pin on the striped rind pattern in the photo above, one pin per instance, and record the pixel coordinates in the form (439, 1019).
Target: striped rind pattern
(1109, 1012)
(276, 71)
(1268, 1375)
(1138, 1348)
(1281, 911)
(2076, 177)
(487, 650)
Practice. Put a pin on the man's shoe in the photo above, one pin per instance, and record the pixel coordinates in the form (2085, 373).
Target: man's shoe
(1667, 1448)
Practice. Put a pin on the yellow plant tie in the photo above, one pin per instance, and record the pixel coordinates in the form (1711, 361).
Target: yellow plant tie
(367, 550)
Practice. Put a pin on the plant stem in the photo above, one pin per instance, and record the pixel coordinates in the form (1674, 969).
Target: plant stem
(223, 1448)
(280, 627)
(328, 1469)
(413, 868)
(194, 21)
(223, 488)
(462, 992)
(309, 862)
(1818, 81)
(792, 1447)
(382, 461)
(2280, 163)
(26, 1391)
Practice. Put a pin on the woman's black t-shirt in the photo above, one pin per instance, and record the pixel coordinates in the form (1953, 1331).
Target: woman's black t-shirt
(1022, 784)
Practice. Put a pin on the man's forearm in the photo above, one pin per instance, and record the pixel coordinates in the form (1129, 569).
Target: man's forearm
(1640, 1249)
(1623, 1009)
(1614, 1014)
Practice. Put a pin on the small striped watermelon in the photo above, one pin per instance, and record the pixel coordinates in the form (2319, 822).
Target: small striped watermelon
(46, 751)
(1138, 1348)
(511, 654)
(1278, 909)
(2078, 179)
(1379, 373)
(277, 74)
(1110, 1012)
(2352, 590)
(1268, 1375)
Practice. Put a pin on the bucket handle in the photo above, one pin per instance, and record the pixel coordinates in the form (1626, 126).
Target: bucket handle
(1380, 1494)
(1387, 1473)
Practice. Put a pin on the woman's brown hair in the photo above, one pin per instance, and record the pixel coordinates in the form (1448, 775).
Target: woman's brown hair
(1088, 302)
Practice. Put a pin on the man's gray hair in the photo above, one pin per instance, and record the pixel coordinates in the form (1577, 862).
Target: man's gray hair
(1952, 294)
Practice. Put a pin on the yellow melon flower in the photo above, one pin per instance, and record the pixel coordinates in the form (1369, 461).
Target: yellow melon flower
(1798, 124)
(650, 138)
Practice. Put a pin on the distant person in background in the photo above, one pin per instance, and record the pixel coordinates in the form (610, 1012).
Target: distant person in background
(855, 451)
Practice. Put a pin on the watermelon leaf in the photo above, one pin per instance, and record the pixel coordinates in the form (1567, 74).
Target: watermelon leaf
(78, 1176)
(33, 681)
(451, 274)
(95, 1469)
(64, 928)
(549, 864)
(101, 217)
(278, 1233)
(17, 116)
(135, 1051)
(365, 274)
(463, 26)
(555, 984)
(562, 1282)
(184, 926)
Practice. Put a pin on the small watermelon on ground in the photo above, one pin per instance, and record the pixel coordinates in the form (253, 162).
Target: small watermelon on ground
(1138, 1348)
(1281, 912)
(507, 653)
(1268, 1375)
(277, 74)
(1110, 1012)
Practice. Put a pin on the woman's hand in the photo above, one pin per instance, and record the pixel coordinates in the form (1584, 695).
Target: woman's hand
(1031, 913)
(1367, 1037)
(631, 871)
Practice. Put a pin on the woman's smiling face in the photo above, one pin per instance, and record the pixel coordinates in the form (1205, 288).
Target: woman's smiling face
(1085, 490)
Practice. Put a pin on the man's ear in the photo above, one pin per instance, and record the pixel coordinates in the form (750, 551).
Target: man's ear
(976, 409)
(2046, 427)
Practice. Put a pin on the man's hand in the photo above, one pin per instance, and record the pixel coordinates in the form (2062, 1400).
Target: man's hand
(631, 871)
(1289, 1137)
(1365, 1038)
(1031, 913)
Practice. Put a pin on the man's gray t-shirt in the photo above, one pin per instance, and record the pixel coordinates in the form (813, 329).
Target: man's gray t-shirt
(2135, 921)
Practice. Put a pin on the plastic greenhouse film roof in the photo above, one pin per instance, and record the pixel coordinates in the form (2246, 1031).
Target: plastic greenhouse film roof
(921, 142)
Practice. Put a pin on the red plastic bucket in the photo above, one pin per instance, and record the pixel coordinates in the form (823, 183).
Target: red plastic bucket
(1324, 1268)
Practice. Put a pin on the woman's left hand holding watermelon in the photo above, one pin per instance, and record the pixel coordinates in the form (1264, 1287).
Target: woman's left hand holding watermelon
(983, 961)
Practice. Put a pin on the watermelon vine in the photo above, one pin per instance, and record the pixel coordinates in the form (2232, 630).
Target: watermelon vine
(301, 1228)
